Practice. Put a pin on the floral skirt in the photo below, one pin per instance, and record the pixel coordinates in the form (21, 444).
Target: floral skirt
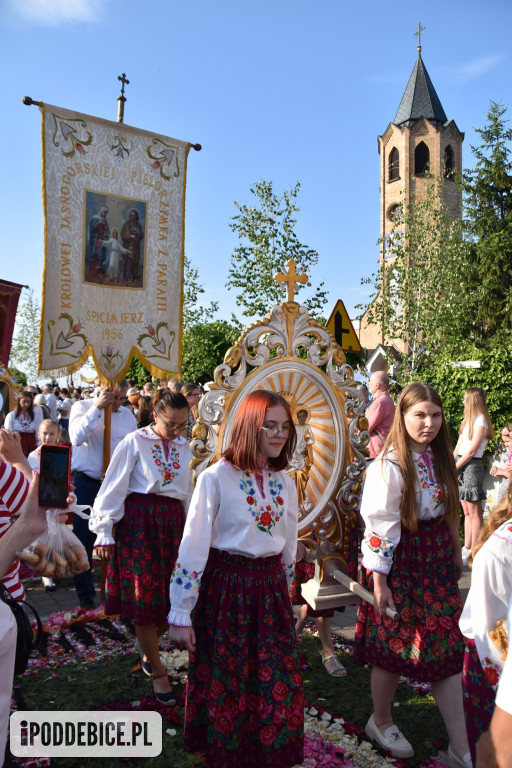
(479, 697)
(28, 442)
(244, 691)
(425, 643)
(147, 542)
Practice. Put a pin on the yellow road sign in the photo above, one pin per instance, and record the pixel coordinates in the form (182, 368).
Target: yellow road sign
(342, 329)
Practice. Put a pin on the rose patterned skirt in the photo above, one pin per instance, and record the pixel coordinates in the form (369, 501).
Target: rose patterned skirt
(479, 697)
(244, 691)
(28, 442)
(147, 542)
(425, 643)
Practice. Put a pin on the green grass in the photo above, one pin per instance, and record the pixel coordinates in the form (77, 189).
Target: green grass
(90, 686)
(349, 697)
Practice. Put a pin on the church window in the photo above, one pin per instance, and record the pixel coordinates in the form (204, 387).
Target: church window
(448, 162)
(394, 165)
(421, 159)
(394, 212)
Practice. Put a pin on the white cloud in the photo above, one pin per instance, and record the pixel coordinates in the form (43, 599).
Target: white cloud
(53, 13)
(478, 67)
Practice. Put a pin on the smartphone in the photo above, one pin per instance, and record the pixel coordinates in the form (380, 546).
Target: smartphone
(54, 475)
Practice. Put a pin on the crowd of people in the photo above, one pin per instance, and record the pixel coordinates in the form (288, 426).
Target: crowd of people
(215, 565)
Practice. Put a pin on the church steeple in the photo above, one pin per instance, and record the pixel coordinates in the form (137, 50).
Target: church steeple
(420, 99)
(420, 142)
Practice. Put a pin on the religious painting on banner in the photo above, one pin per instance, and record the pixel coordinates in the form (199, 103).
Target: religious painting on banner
(114, 202)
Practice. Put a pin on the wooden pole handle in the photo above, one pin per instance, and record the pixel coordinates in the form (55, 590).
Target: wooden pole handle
(361, 592)
(107, 431)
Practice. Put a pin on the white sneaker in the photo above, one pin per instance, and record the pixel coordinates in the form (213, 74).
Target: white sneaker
(452, 761)
(465, 555)
(392, 739)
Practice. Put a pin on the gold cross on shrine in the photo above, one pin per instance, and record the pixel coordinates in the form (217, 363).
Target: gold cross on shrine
(420, 30)
(290, 277)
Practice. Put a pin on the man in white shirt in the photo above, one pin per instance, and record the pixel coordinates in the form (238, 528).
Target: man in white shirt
(51, 401)
(64, 408)
(86, 424)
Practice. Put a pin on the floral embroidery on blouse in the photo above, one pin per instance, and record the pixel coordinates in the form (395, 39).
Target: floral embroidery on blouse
(168, 467)
(289, 570)
(265, 515)
(24, 423)
(186, 579)
(427, 478)
(379, 545)
(492, 671)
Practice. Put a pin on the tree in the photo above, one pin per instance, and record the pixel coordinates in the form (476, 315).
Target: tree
(422, 285)
(205, 340)
(268, 241)
(488, 223)
(25, 344)
(204, 347)
(494, 376)
(138, 372)
(193, 312)
(19, 378)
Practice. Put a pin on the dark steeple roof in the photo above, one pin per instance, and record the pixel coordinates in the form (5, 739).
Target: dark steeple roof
(420, 99)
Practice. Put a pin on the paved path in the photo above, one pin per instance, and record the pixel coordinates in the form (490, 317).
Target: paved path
(65, 599)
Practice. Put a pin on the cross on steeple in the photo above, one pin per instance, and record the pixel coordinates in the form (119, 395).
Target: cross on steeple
(418, 32)
(291, 278)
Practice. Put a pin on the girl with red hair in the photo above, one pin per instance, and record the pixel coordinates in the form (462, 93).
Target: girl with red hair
(234, 568)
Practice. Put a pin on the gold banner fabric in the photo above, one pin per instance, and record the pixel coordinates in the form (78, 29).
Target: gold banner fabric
(114, 208)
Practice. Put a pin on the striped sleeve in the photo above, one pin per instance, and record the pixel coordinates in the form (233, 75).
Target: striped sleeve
(13, 492)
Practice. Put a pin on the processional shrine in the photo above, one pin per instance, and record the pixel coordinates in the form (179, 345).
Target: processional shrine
(289, 353)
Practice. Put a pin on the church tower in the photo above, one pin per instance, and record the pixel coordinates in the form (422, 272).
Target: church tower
(420, 141)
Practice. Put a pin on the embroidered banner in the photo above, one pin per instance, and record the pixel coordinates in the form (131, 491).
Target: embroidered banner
(9, 296)
(114, 208)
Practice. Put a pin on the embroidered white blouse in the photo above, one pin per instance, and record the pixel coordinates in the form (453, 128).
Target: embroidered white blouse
(380, 507)
(504, 693)
(488, 598)
(139, 465)
(229, 512)
(23, 423)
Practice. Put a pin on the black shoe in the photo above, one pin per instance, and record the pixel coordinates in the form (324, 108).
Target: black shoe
(87, 603)
(51, 588)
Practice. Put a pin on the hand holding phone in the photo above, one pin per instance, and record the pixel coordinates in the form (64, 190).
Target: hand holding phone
(54, 475)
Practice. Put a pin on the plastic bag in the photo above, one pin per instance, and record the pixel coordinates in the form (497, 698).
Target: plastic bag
(57, 553)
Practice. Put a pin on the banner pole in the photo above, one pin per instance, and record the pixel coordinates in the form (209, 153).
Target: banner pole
(107, 430)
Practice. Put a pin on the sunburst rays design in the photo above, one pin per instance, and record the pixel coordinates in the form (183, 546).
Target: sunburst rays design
(309, 388)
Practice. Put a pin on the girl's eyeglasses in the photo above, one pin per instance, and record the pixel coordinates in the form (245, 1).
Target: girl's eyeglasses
(172, 427)
(274, 431)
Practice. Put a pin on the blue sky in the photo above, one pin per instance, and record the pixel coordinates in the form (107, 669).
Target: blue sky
(272, 89)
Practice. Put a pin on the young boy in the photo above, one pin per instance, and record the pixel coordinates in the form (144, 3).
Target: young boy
(48, 433)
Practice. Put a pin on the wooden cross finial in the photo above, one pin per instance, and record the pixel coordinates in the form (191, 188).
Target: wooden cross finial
(418, 32)
(290, 277)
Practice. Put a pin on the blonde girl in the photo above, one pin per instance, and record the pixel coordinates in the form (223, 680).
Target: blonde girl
(474, 434)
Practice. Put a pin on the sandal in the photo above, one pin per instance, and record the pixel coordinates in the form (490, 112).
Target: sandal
(335, 668)
(164, 698)
(145, 665)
